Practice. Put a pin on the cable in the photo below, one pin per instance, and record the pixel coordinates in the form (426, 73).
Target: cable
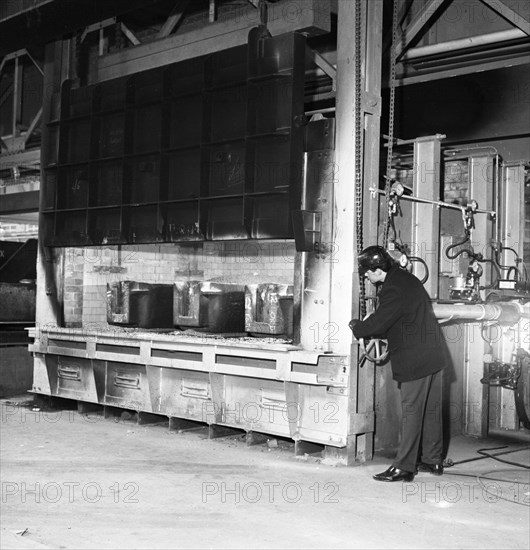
(421, 261)
(453, 256)
(485, 488)
(449, 463)
(501, 480)
(511, 250)
(518, 464)
(481, 477)
(497, 272)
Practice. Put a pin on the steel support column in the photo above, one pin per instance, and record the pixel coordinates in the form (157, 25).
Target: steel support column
(426, 217)
(482, 181)
(511, 216)
(511, 227)
(345, 280)
(57, 62)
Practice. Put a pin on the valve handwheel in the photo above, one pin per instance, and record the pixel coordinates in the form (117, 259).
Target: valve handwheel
(376, 350)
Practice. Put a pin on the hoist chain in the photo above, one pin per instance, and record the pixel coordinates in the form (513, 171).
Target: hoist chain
(358, 147)
(391, 107)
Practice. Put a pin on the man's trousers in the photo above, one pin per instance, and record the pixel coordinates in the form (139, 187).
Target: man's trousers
(421, 422)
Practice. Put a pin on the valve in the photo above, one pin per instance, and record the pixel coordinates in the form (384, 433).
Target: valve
(468, 215)
(467, 287)
(375, 350)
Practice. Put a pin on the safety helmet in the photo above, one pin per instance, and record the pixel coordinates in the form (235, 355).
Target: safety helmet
(374, 257)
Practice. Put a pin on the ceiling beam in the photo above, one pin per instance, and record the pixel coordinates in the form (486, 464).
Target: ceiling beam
(25, 158)
(26, 201)
(461, 71)
(412, 30)
(174, 18)
(322, 63)
(98, 26)
(129, 34)
(6, 93)
(509, 14)
(33, 125)
(452, 46)
(313, 18)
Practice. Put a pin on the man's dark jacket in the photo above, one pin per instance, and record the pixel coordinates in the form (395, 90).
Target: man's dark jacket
(406, 319)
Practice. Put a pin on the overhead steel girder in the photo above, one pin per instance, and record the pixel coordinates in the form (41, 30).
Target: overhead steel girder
(17, 98)
(506, 57)
(425, 14)
(310, 16)
(429, 9)
(509, 14)
(107, 23)
(174, 18)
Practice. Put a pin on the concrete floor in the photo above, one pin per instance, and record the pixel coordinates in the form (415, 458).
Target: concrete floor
(77, 481)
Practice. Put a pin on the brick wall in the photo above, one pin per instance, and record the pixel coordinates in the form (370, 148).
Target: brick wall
(73, 287)
(237, 262)
(456, 182)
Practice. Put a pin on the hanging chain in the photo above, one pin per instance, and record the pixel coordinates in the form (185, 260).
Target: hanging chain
(358, 128)
(391, 108)
(358, 148)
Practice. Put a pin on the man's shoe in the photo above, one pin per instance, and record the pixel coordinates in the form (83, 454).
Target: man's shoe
(394, 474)
(434, 469)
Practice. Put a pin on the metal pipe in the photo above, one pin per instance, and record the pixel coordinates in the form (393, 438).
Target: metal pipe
(464, 43)
(504, 313)
(436, 203)
(316, 111)
(398, 141)
(455, 152)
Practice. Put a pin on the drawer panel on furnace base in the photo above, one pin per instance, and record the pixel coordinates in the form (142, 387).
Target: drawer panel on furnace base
(185, 394)
(127, 387)
(71, 378)
(322, 414)
(255, 405)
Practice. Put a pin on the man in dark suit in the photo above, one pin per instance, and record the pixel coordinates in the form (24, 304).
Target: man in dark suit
(406, 319)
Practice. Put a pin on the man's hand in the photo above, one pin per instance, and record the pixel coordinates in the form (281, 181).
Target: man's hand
(353, 323)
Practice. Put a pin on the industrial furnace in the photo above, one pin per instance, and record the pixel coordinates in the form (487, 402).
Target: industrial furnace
(158, 164)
